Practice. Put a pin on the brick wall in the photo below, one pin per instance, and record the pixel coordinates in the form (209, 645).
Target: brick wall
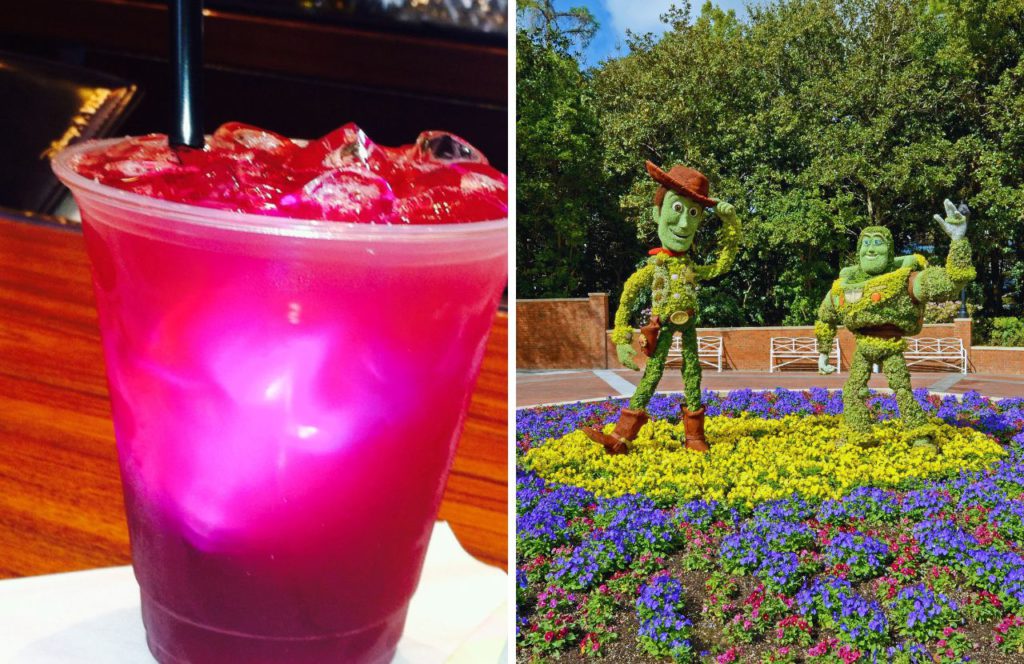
(996, 360)
(748, 348)
(573, 334)
(567, 333)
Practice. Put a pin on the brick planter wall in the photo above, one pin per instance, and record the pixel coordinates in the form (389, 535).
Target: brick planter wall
(573, 333)
(996, 360)
(566, 333)
(749, 348)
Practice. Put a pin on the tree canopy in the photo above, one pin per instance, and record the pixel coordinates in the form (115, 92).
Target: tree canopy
(570, 234)
(813, 117)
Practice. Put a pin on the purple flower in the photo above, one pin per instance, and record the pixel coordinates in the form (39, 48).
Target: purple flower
(923, 614)
(864, 555)
(664, 627)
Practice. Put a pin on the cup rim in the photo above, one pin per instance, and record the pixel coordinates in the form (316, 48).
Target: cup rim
(247, 222)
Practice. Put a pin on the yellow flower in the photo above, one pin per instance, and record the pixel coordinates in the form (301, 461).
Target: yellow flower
(753, 459)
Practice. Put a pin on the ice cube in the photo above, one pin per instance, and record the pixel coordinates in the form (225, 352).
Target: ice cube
(133, 168)
(481, 177)
(343, 176)
(172, 184)
(342, 195)
(240, 137)
(151, 146)
(439, 205)
(468, 176)
(260, 185)
(127, 159)
(345, 148)
(442, 146)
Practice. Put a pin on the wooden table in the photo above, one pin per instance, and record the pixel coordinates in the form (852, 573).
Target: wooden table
(60, 494)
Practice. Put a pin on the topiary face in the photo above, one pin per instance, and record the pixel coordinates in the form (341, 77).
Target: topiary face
(678, 220)
(875, 250)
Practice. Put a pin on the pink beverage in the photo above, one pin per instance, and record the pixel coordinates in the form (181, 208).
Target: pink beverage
(287, 390)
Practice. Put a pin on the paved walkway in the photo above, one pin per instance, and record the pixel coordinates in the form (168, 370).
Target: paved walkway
(536, 387)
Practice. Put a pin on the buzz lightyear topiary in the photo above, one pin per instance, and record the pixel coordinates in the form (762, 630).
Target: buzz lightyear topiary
(881, 301)
(672, 276)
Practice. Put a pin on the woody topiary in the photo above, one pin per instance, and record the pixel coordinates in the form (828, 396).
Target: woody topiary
(671, 275)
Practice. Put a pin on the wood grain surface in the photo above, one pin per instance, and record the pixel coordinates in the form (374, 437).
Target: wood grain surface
(61, 507)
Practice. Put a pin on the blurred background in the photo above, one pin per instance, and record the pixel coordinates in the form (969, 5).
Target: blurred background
(85, 68)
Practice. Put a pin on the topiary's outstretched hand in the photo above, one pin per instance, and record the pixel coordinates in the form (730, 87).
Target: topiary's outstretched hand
(626, 353)
(938, 284)
(955, 223)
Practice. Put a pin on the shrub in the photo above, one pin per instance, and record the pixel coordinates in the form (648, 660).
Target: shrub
(1007, 332)
(999, 331)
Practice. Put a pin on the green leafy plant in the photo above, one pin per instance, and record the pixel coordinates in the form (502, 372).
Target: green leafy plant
(1007, 332)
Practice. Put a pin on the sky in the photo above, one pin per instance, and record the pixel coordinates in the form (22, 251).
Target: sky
(617, 16)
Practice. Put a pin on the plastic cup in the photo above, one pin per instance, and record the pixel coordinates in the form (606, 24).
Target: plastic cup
(287, 396)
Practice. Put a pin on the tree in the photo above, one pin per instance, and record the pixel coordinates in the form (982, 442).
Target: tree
(568, 231)
(818, 117)
(814, 117)
(551, 29)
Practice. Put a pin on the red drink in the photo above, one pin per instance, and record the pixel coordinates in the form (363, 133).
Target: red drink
(287, 394)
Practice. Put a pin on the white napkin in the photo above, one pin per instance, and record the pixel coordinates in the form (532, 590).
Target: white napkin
(457, 615)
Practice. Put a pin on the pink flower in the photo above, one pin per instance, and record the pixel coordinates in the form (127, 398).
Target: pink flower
(728, 656)
(818, 650)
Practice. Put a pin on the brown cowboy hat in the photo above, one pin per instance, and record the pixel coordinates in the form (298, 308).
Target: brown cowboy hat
(682, 180)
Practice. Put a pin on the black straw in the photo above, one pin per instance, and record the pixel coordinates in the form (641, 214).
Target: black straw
(187, 63)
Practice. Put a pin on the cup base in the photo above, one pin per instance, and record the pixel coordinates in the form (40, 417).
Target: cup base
(173, 640)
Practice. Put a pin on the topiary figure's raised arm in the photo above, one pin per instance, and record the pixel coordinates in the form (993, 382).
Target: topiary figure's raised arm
(728, 243)
(622, 335)
(938, 284)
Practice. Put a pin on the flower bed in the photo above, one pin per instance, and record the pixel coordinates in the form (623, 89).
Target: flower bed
(777, 546)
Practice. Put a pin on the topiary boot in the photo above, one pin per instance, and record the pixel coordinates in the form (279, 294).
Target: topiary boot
(694, 425)
(626, 429)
